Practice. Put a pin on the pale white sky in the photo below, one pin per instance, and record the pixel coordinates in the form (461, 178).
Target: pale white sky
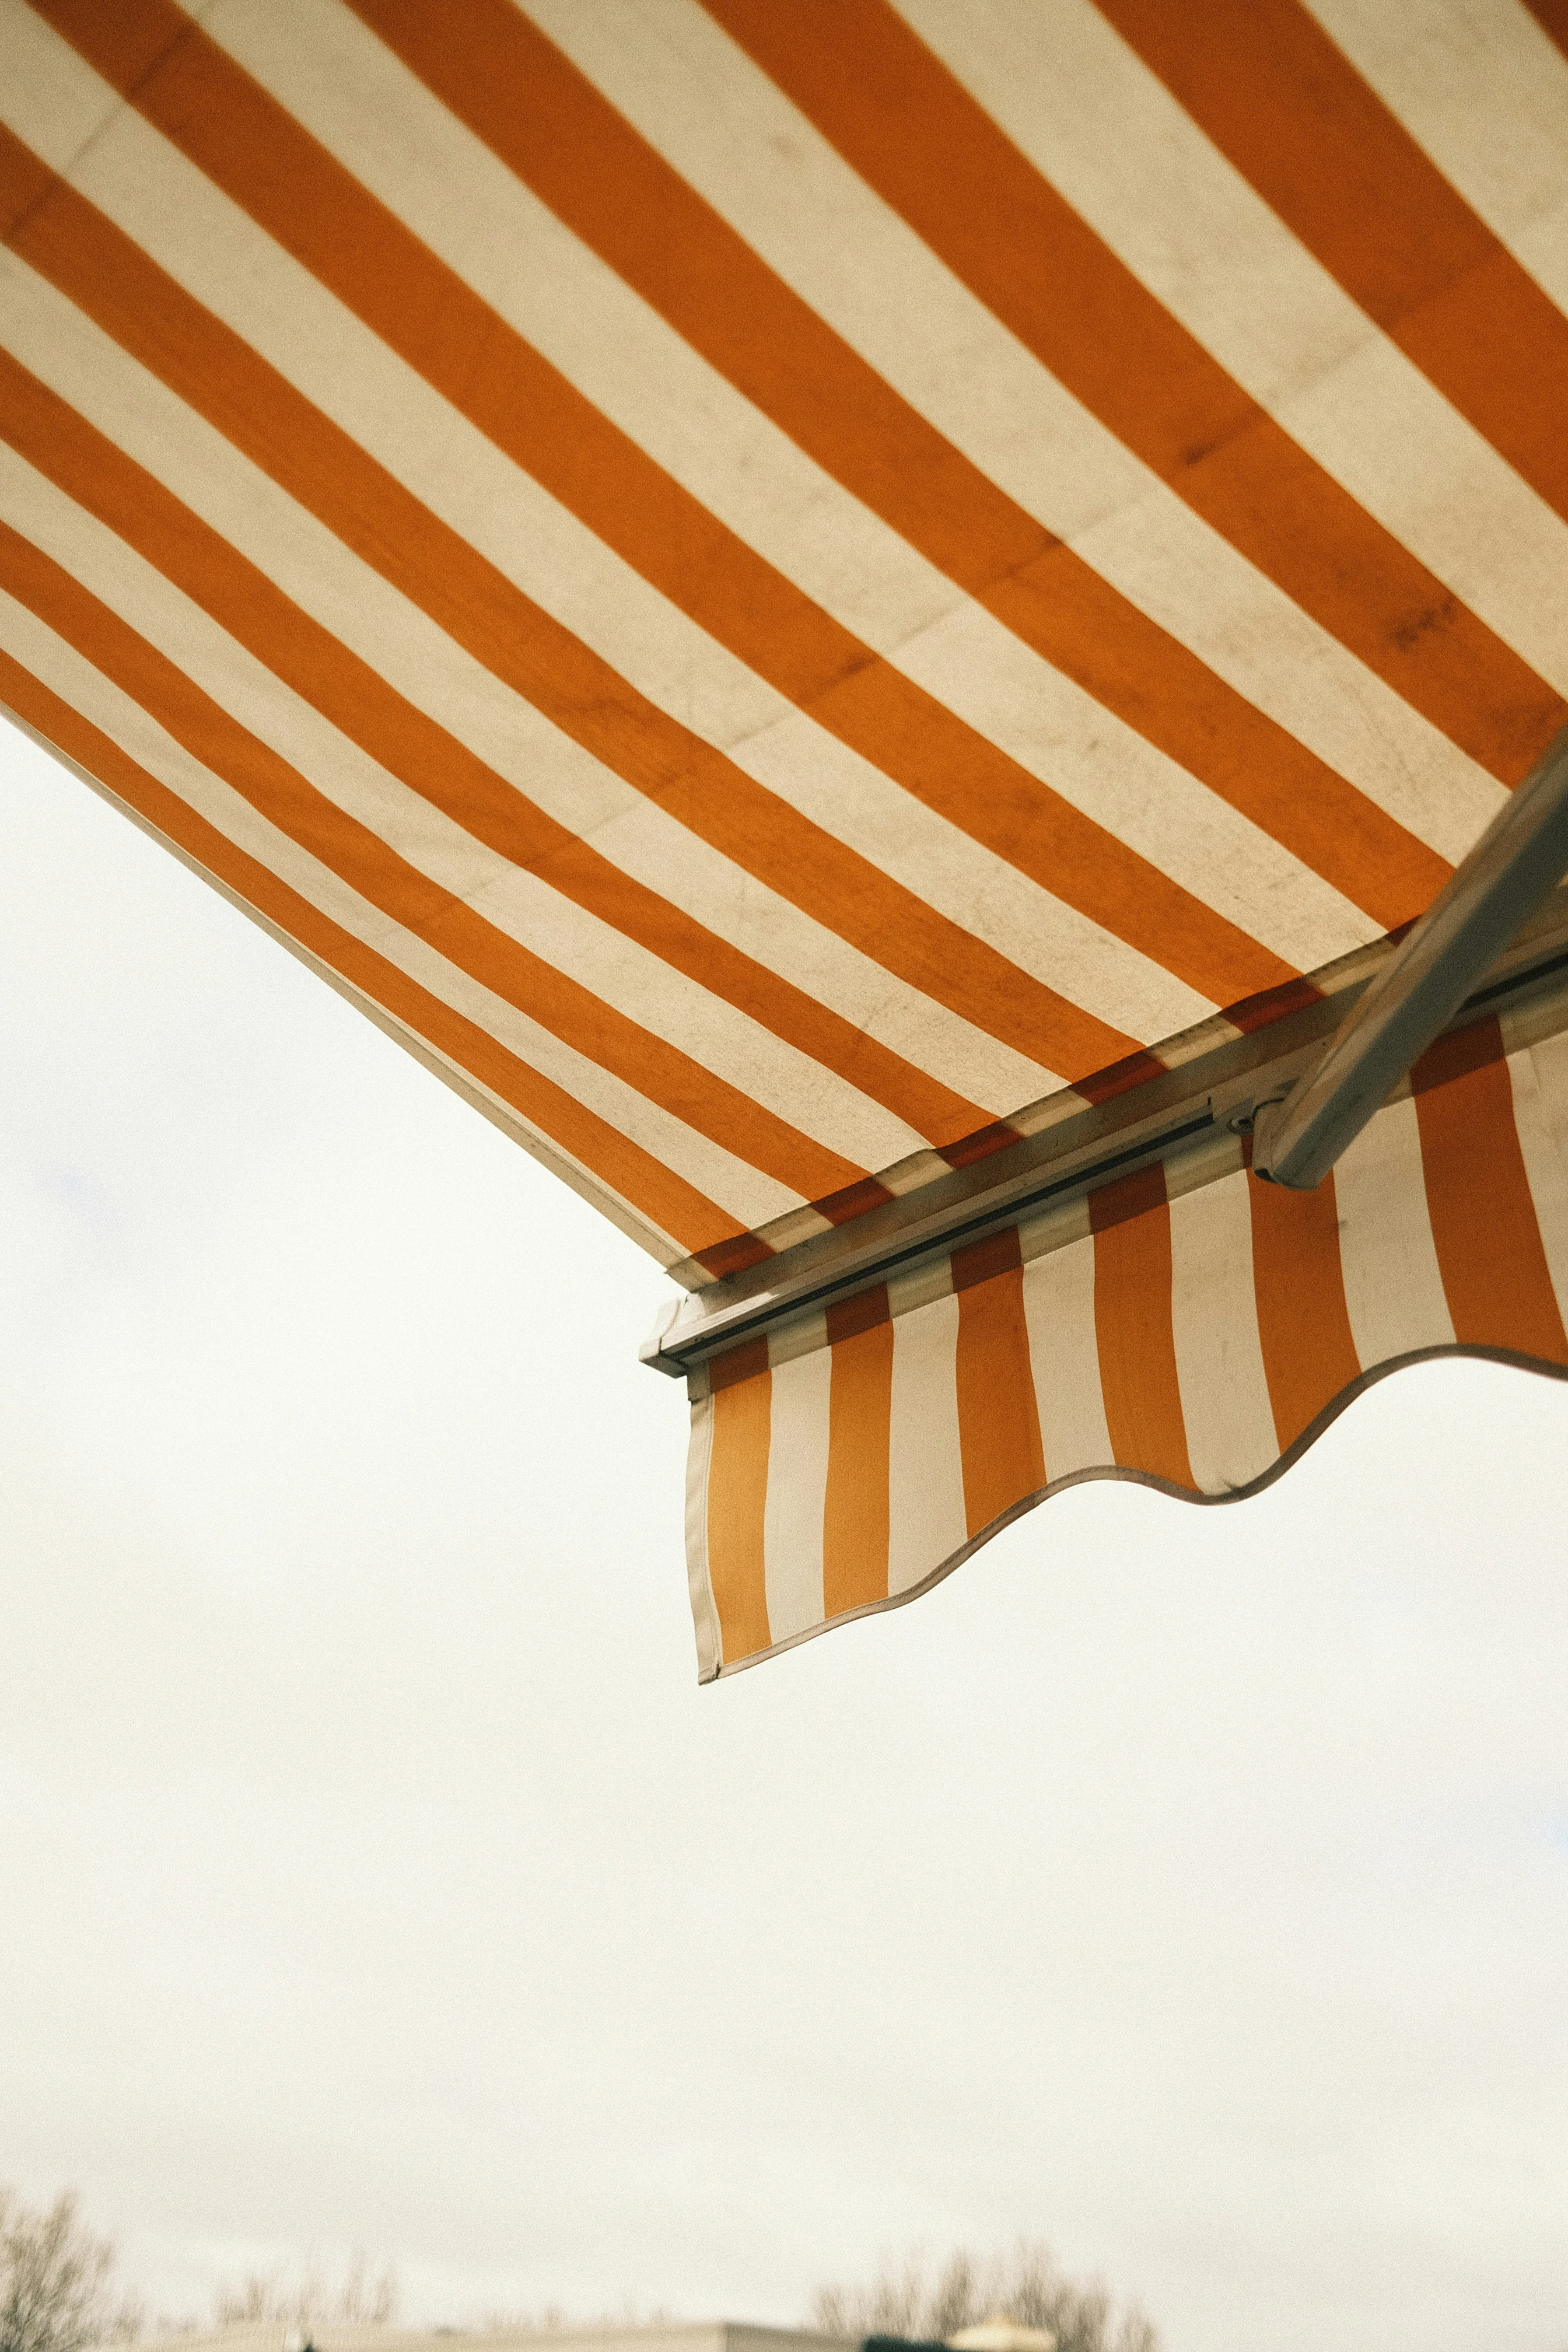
(1187, 1887)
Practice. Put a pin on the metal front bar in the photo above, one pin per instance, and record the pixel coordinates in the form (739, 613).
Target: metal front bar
(1515, 864)
(1215, 1092)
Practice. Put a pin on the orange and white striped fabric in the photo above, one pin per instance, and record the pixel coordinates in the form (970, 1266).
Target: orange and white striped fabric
(766, 582)
(1186, 1326)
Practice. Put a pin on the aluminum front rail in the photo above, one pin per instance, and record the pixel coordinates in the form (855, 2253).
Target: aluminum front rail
(1213, 1092)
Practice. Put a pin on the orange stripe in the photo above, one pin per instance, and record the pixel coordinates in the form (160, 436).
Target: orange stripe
(1291, 112)
(735, 1255)
(855, 1516)
(1304, 1323)
(910, 128)
(1494, 1269)
(199, 358)
(656, 1070)
(532, 106)
(737, 1500)
(999, 1421)
(623, 1167)
(1133, 1329)
(301, 197)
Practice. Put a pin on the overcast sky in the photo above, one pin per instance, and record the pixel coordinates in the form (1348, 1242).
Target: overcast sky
(1187, 1887)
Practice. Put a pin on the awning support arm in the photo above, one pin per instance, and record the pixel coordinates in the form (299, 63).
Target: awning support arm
(1521, 856)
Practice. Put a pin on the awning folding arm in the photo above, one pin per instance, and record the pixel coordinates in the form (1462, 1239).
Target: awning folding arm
(1518, 860)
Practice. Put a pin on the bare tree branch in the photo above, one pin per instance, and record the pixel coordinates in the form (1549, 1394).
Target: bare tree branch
(1023, 2285)
(309, 2300)
(54, 2294)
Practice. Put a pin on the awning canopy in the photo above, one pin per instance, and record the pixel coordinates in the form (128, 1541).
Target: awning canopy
(860, 620)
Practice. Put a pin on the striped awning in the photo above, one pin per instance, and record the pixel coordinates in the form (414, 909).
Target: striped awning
(800, 594)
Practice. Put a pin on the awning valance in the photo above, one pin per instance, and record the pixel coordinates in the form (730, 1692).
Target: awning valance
(1181, 1324)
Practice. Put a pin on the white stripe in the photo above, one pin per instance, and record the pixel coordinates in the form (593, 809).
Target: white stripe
(1538, 1078)
(728, 131)
(793, 1516)
(1092, 117)
(927, 1522)
(1394, 1286)
(66, 104)
(1231, 1437)
(700, 1582)
(1064, 1356)
(225, 262)
(353, 602)
(736, 1186)
(1484, 90)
